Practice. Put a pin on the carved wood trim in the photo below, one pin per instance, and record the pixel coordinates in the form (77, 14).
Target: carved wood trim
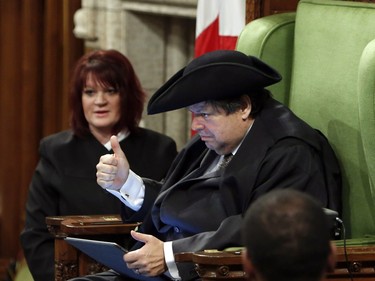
(253, 10)
(228, 265)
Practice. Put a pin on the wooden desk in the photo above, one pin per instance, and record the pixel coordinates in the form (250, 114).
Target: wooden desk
(70, 262)
(218, 265)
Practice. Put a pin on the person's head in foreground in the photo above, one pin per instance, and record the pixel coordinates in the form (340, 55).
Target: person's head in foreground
(223, 90)
(287, 238)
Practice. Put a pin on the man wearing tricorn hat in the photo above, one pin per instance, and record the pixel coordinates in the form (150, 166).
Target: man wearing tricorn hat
(200, 205)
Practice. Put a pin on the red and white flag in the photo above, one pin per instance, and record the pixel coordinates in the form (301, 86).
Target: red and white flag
(219, 23)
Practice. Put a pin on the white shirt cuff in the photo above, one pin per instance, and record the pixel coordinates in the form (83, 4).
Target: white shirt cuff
(132, 193)
(169, 260)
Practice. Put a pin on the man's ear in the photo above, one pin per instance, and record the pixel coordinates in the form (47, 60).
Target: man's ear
(331, 262)
(248, 266)
(246, 106)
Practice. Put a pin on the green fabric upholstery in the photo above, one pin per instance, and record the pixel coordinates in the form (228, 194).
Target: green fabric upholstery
(365, 241)
(261, 38)
(332, 88)
(330, 37)
(366, 82)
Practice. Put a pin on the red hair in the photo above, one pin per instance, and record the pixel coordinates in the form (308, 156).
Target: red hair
(109, 68)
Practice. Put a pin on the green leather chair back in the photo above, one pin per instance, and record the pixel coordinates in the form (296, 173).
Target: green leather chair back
(261, 38)
(367, 108)
(332, 86)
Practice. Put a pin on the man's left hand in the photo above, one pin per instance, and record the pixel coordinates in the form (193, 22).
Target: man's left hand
(148, 260)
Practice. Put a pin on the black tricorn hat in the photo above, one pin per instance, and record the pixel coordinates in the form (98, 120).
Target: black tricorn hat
(215, 75)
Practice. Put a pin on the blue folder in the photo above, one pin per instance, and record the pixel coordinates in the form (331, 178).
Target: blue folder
(109, 254)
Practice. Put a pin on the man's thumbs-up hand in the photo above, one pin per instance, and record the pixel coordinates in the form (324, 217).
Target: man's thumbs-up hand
(112, 169)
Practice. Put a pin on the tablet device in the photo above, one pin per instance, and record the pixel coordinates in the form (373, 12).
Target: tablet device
(109, 254)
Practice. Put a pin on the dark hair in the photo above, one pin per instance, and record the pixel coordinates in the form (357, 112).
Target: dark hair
(111, 69)
(257, 99)
(287, 236)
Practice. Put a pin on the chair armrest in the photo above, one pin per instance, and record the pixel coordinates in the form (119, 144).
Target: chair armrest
(70, 262)
(63, 226)
(92, 226)
(183, 257)
(211, 264)
(359, 260)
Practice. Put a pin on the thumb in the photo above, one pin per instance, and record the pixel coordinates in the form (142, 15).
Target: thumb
(141, 237)
(116, 147)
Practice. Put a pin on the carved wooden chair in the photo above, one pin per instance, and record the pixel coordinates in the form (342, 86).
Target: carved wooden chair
(70, 262)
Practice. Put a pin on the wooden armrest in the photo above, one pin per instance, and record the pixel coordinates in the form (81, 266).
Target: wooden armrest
(359, 259)
(212, 264)
(217, 257)
(63, 226)
(84, 227)
(69, 261)
(184, 257)
(210, 257)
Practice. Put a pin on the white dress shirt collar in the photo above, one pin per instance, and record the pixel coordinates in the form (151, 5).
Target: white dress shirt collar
(120, 136)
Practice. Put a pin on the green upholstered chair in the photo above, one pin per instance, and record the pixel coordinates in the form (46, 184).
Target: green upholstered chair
(326, 53)
(262, 37)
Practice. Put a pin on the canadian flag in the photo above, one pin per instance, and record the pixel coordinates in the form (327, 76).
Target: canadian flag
(219, 23)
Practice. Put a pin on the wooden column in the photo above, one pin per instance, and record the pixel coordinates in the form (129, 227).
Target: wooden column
(260, 8)
(36, 54)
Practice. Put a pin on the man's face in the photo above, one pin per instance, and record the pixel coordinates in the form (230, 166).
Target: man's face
(221, 132)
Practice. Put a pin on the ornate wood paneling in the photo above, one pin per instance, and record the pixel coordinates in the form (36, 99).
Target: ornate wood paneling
(271, 7)
(37, 51)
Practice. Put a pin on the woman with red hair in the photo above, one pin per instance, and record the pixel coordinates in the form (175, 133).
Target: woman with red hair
(106, 99)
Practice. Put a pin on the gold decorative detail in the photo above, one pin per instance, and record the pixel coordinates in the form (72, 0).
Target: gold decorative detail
(65, 271)
(223, 270)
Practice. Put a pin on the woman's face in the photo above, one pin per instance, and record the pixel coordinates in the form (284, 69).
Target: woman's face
(101, 106)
